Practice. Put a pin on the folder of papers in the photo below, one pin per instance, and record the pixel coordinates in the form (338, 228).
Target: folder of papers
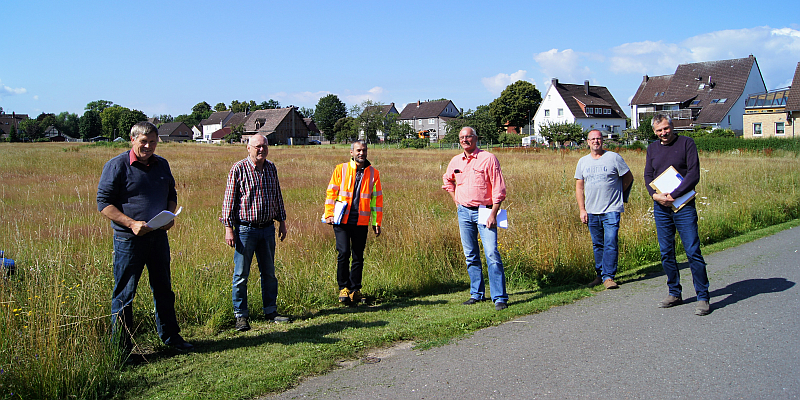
(502, 216)
(163, 218)
(669, 181)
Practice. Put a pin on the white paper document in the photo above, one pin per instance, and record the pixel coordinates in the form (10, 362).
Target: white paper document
(163, 218)
(502, 216)
(669, 181)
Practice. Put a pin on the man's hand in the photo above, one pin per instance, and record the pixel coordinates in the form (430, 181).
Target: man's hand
(140, 228)
(584, 217)
(230, 236)
(329, 220)
(663, 198)
(377, 230)
(491, 221)
(282, 230)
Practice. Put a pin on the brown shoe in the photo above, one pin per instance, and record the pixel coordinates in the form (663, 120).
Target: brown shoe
(595, 282)
(702, 308)
(610, 284)
(671, 301)
(344, 295)
(356, 296)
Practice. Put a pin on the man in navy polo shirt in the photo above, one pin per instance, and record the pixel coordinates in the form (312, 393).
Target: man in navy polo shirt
(135, 187)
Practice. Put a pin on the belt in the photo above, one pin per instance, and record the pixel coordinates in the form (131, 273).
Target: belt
(257, 225)
(472, 208)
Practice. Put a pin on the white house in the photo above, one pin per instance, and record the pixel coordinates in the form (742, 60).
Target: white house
(593, 107)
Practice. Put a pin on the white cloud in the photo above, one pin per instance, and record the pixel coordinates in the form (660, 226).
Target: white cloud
(496, 84)
(564, 65)
(9, 91)
(375, 94)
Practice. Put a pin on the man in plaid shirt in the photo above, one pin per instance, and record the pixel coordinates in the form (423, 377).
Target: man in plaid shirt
(252, 202)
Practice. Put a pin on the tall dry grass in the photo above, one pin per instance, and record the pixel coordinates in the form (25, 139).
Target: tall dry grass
(54, 311)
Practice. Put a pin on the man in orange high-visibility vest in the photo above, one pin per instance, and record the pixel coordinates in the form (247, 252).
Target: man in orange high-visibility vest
(354, 201)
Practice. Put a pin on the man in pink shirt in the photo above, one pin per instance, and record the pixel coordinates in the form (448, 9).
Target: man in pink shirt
(473, 178)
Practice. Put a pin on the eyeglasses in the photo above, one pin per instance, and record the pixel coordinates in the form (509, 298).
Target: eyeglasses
(465, 137)
(595, 138)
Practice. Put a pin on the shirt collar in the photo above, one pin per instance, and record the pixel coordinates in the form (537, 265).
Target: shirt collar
(474, 154)
(132, 158)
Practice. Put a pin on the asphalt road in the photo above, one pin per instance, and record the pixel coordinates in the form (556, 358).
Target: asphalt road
(616, 345)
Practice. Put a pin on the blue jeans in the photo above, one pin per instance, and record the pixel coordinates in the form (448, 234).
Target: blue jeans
(130, 257)
(470, 229)
(260, 241)
(685, 223)
(604, 228)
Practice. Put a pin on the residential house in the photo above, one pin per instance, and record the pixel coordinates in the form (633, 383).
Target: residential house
(10, 120)
(218, 136)
(279, 126)
(197, 133)
(213, 123)
(592, 107)
(773, 113)
(54, 135)
(174, 132)
(710, 94)
(383, 110)
(313, 131)
(429, 118)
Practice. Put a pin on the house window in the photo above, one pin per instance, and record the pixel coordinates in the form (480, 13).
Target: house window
(757, 129)
(589, 110)
(779, 129)
(431, 121)
(419, 122)
(701, 87)
(714, 101)
(560, 112)
(546, 113)
(696, 102)
(606, 111)
(723, 100)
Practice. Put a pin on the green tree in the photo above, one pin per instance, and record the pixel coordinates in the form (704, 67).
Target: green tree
(12, 135)
(237, 106)
(127, 120)
(270, 105)
(236, 134)
(371, 120)
(220, 107)
(110, 121)
(98, 105)
(516, 103)
(396, 132)
(345, 129)
(480, 119)
(329, 110)
(306, 112)
(90, 125)
(561, 132)
(201, 108)
(164, 118)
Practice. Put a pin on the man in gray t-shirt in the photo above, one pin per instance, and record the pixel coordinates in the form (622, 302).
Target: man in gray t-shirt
(601, 178)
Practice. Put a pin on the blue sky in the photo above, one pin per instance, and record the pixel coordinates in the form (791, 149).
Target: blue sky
(164, 57)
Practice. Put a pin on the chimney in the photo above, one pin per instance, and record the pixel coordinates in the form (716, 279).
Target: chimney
(586, 87)
(645, 79)
(417, 103)
(554, 81)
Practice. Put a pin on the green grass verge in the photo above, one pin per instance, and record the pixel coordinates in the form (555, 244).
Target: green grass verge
(275, 357)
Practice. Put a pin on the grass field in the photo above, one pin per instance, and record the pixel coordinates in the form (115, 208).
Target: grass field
(54, 311)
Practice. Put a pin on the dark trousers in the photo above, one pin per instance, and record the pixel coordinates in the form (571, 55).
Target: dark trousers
(131, 255)
(350, 239)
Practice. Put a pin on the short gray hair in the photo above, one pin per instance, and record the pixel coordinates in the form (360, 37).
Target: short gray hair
(660, 117)
(353, 145)
(143, 128)
(474, 132)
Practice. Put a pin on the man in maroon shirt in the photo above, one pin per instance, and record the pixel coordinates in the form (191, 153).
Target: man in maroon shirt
(679, 152)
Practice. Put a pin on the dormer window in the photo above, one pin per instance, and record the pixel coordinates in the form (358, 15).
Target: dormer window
(701, 87)
(589, 110)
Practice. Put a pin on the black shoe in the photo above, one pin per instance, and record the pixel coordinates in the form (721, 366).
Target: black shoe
(275, 317)
(242, 325)
(471, 301)
(181, 345)
(500, 306)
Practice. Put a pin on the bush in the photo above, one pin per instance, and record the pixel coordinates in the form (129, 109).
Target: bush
(727, 144)
(414, 143)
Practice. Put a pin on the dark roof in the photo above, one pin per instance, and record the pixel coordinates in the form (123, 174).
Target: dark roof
(429, 109)
(793, 101)
(651, 88)
(215, 118)
(266, 120)
(597, 96)
(172, 129)
(704, 82)
(220, 133)
(236, 119)
(384, 109)
(312, 127)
